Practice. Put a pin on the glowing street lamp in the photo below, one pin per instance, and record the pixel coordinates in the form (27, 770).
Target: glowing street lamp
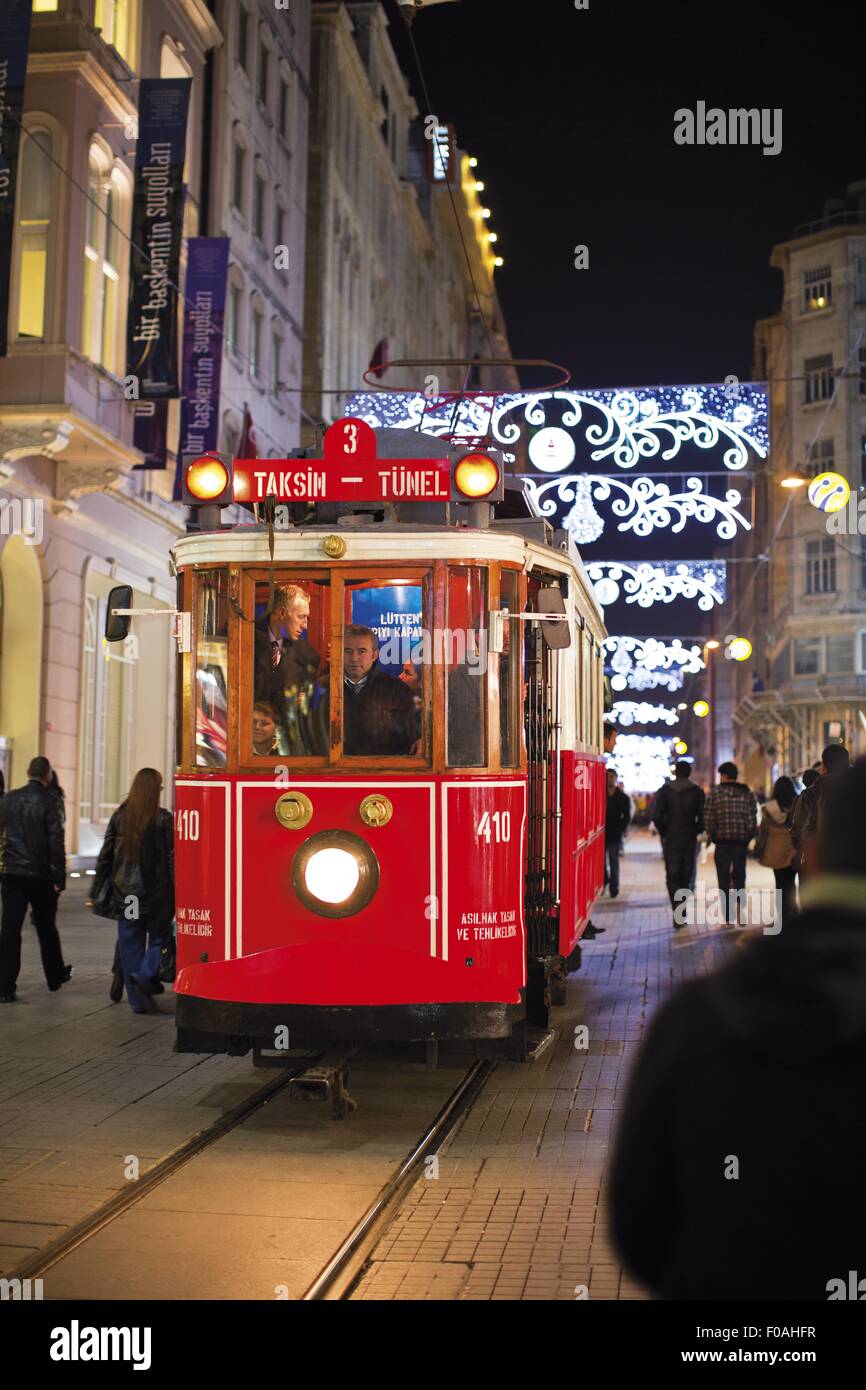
(681, 747)
(794, 479)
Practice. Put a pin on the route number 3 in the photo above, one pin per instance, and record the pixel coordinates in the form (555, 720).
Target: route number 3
(350, 439)
(497, 825)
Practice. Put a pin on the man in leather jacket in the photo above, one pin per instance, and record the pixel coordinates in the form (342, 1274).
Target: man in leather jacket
(32, 874)
(678, 815)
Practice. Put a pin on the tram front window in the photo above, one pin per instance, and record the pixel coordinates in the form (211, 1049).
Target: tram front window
(290, 679)
(384, 669)
(211, 665)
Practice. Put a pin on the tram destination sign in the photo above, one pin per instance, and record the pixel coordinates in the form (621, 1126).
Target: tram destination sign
(349, 471)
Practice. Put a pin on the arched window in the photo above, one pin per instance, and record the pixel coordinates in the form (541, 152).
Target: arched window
(234, 311)
(239, 172)
(257, 334)
(280, 231)
(277, 364)
(260, 187)
(35, 204)
(103, 251)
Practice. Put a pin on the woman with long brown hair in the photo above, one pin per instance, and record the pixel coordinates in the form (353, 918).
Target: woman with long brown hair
(134, 884)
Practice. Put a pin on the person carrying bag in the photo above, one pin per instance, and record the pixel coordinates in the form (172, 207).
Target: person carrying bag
(774, 845)
(134, 885)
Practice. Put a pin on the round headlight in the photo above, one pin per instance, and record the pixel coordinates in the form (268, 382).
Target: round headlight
(476, 475)
(207, 478)
(335, 873)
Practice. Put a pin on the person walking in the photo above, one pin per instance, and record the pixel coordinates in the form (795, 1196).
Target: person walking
(32, 874)
(617, 817)
(730, 820)
(763, 1058)
(134, 884)
(678, 815)
(807, 808)
(775, 847)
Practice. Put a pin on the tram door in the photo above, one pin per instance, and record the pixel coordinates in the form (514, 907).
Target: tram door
(543, 796)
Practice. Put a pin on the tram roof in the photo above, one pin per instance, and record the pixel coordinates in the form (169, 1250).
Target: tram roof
(382, 544)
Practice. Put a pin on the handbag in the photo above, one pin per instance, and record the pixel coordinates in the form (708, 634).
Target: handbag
(102, 898)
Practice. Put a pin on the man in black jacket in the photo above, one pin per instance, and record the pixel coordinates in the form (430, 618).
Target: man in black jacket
(285, 667)
(807, 807)
(32, 874)
(379, 718)
(678, 816)
(748, 1085)
(617, 817)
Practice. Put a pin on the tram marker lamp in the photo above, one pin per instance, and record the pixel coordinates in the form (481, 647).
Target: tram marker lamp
(207, 481)
(477, 475)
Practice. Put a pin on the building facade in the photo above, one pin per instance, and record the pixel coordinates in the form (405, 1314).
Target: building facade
(805, 607)
(78, 512)
(387, 275)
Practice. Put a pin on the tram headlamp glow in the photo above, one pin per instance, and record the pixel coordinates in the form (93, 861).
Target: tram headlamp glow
(476, 475)
(332, 875)
(207, 478)
(335, 873)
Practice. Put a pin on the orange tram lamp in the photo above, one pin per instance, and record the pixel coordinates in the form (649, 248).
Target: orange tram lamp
(390, 788)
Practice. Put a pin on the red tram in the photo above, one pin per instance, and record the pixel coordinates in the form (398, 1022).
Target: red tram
(375, 863)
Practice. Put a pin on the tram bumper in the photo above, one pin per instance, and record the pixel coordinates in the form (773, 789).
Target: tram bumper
(357, 994)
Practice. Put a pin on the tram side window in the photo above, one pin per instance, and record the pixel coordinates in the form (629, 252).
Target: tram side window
(290, 669)
(509, 672)
(211, 667)
(384, 669)
(466, 666)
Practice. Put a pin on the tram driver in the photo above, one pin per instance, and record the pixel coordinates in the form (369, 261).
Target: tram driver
(379, 715)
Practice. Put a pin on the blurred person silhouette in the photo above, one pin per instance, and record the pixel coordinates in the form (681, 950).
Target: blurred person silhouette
(748, 1087)
(774, 845)
(617, 817)
(804, 817)
(32, 874)
(678, 816)
(134, 885)
(809, 776)
(730, 820)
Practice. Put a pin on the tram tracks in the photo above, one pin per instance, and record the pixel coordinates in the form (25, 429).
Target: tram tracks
(342, 1271)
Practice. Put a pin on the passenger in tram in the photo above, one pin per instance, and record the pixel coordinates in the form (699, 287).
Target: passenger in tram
(282, 663)
(737, 1168)
(134, 885)
(379, 715)
(267, 735)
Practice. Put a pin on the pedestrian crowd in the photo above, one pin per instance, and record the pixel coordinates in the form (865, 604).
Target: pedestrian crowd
(133, 884)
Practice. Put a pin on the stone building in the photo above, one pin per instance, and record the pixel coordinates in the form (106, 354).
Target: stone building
(805, 609)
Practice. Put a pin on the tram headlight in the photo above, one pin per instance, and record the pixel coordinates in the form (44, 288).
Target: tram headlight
(335, 873)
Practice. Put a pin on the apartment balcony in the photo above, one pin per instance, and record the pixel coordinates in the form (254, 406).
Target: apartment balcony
(788, 704)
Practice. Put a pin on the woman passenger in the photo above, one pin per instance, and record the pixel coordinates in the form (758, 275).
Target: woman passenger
(134, 884)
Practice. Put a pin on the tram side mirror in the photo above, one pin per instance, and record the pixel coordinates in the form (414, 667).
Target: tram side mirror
(117, 624)
(556, 635)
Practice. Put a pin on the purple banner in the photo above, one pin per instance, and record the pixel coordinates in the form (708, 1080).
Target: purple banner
(205, 296)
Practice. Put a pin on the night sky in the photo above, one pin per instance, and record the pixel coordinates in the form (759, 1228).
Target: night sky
(570, 114)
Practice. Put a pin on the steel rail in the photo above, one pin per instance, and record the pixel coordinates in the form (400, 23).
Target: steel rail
(340, 1275)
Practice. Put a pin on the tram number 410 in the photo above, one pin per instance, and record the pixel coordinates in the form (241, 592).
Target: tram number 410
(496, 827)
(186, 824)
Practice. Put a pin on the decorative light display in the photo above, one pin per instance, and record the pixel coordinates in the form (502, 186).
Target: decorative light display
(641, 761)
(829, 492)
(701, 709)
(644, 504)
(681, 747)
(628, 712)
(620, 426)
(646, 584)
(739, 649)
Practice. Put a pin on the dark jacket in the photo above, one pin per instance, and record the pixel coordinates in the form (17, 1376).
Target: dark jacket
(151, 881)
(617, 816)
(807, 811)
(731, 814)
(761, 1063)
(678, 812)
(379, 720)
(31, 834)
(299, 662)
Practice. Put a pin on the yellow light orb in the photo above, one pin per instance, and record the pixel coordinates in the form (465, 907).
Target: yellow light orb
(700, 708)
(740, 649)
(829, 492)
(681, 747)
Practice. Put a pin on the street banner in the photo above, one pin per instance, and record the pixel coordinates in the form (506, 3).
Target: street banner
(204, 310)
(150, 432)
(14, 45)
(157, 227)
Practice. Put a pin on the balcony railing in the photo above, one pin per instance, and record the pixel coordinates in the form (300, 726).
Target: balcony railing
(833, 219)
